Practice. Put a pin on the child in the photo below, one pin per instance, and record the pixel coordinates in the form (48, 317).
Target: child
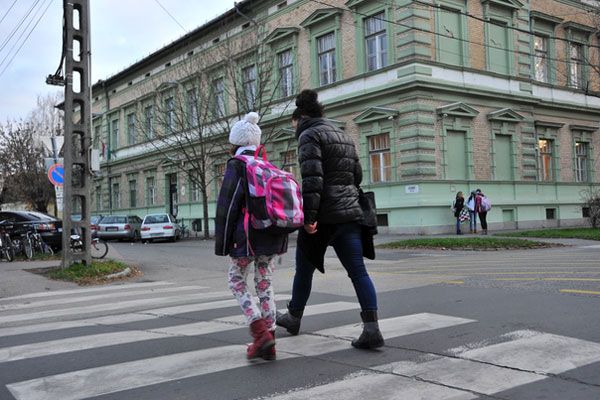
(258, 247)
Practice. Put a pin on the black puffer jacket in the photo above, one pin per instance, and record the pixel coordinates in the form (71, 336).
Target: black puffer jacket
(331, 173)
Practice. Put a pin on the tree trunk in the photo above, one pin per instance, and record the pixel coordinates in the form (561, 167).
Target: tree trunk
(205, 214)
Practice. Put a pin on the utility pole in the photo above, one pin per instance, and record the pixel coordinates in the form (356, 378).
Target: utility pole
(78, 139)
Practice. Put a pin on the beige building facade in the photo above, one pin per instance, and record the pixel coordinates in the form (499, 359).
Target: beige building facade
(440, 96)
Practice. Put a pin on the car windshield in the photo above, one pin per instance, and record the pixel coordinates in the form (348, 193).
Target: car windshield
(156, 219)
(114, 220)
(95, 219)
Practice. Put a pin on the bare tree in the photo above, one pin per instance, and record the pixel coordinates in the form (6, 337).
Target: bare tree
(22, 163)
(204, 94)
(45, 118)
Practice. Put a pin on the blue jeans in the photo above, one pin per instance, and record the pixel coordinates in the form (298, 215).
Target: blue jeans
(457, 225)
(346, 242)
(473, 220)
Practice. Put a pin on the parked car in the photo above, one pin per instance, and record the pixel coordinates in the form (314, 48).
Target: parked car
(94, 222)
(120, 227)
(49, 227)
(160, 226)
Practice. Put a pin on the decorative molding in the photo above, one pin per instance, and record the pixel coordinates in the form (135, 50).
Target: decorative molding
(459, 109)
(549, 124)
(515, 4)
(374, 114)
(355, 3)
(506, 115)
(545, 17)
(280, 34)
(585, 128)
(319, 16)
(574, 26)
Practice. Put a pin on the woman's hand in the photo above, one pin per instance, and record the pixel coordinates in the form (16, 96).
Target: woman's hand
(311, 228)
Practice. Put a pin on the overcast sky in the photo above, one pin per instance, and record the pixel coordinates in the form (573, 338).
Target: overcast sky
(123, 31)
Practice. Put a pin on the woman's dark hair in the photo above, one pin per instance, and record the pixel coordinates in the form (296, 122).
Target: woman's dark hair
(308, 104)
(297, 114)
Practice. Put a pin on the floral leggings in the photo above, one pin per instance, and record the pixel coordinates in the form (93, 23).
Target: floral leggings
(263, 271)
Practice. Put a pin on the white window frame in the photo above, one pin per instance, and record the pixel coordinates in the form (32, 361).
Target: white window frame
(326, 59)
(379, 150)
(285, 61)
(546, 175)
(380, 40)
(581, 161)
(540, 58)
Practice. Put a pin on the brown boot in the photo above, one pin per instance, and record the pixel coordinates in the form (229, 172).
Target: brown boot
(263, 339)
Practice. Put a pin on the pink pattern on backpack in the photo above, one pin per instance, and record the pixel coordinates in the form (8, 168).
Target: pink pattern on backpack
(275, 196)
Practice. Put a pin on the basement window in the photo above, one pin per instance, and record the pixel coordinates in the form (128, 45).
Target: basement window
(190, 53)
(147, 74)
(246, 25)
(167, 65)
(216, 40)
(585, 212)
(550, 213)
(382, 220)
(282, 4)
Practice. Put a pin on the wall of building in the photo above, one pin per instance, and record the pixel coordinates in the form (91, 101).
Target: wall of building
(424, 99)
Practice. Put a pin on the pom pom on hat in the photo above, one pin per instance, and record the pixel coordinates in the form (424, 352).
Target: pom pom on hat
(246, 132)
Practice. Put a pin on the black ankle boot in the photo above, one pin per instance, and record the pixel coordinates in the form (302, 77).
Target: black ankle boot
(290, 320)
(370, 338)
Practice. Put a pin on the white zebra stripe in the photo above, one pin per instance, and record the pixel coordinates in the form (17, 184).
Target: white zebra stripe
(113, 296)
(113, 378)
(73, 312)
(86, 290)
(525, 358)
(88, 342)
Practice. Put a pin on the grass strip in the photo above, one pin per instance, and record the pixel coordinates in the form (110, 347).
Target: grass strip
(469, 243)
(84, 274)
(565, 233)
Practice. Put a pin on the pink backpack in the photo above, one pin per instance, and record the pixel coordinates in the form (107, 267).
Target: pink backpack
(274, 199)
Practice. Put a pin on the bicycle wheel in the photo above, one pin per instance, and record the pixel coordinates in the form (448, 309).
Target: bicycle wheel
(8, 253)
(98, 249)
(27, 248)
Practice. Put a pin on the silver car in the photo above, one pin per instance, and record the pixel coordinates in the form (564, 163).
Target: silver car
(120, 227)
(160, 226)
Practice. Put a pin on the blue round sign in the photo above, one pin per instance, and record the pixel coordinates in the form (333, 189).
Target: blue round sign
(56, 174)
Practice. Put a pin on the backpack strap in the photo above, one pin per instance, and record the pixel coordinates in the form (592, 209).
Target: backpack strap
(264, 151)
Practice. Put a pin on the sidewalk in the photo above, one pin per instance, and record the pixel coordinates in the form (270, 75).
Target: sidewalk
(15, 280)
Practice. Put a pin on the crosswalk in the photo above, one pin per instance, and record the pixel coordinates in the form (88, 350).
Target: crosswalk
(159, 340)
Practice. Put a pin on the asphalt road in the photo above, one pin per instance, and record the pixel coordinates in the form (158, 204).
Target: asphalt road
(458, 325)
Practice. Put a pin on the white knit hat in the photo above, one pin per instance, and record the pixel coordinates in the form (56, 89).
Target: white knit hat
(246, 132)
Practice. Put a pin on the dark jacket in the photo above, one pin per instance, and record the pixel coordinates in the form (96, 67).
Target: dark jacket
(230, 237)
(331, 173)
(459, 203)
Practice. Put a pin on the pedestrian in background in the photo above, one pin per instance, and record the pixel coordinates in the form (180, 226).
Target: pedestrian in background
(331, 175)
(244, 248)
(457, 207)
(472, 212)
(482, 206)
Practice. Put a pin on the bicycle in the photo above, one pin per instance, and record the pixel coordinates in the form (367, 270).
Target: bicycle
(38, 244)
(98, 248)
(22, 245)
(185, 231)
(6, 248)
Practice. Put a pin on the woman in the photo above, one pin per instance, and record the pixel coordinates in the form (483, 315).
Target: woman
(331, 174)
(472, 213)
(245, 248)
(481, 211)
(457, 207)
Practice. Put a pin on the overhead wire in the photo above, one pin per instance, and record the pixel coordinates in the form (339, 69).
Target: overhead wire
(27, 37)
(170, 15)
(18, 26)
(8, 11)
